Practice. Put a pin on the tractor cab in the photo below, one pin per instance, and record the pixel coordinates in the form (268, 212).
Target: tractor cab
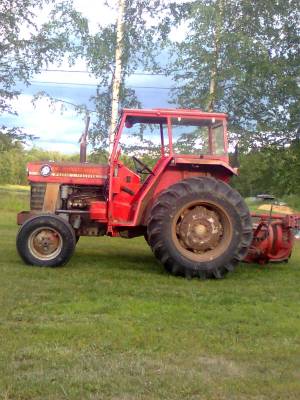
(155, 148)
(146, 136)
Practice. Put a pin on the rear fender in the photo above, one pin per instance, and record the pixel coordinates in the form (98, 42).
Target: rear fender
(175, 172)
(218, 167)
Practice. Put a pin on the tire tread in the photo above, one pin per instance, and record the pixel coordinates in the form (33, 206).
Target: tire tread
(165, 207)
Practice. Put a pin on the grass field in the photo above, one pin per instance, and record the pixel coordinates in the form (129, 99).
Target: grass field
(113, 325)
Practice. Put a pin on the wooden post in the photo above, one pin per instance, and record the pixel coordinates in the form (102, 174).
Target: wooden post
(83, 140)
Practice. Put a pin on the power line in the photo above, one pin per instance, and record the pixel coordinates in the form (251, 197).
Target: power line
(91, 73)
(93, 85)
(80, 106)
(88, 72)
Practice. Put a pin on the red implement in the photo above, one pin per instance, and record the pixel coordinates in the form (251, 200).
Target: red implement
(273, 238)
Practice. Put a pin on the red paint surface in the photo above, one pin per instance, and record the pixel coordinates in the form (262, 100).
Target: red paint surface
(98, 211)
(69, 173)
(273, 238)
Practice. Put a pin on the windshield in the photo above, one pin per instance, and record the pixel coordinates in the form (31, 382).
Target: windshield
(144, 136)
(198, 136)
(145, 139)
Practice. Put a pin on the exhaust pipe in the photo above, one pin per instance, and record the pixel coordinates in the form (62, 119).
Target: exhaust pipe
(83, 140)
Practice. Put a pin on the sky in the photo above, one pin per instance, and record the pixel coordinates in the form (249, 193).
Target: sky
(59, 130)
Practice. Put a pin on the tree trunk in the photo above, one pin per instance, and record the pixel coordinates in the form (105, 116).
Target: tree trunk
(117, 73)
(213, 86)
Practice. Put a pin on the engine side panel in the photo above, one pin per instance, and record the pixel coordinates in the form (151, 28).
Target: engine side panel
(68, 173)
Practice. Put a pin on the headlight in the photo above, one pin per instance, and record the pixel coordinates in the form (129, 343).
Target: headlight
(45, 170)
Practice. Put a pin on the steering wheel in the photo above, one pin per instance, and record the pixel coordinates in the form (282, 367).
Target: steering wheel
(140, 167)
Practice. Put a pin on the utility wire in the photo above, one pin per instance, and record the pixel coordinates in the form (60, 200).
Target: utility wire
(88, 72)
(91, 73)
(94, 85)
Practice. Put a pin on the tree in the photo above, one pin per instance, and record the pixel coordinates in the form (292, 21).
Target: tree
(25, 48)
(12, 138)
(241, 57)
(117, 72)
(17, 52)
(270, 170)
(141, 36)
(17, 58)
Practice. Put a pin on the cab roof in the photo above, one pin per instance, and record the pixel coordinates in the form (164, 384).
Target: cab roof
(172, 112)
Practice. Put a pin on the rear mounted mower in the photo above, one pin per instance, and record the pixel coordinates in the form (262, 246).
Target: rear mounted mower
(273, 238)
(196, 224)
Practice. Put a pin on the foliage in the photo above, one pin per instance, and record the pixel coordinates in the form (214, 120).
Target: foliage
(98, 156)
(12, 167)
(241, 57)
(270, 170)
(25, 47)
(13, 161)
(142, 36)
(17, 53)
(13, 138)
(8, 142)
(292, 200)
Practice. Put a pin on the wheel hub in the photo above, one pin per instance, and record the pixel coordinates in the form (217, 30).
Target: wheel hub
(200, 229)
(45, 243)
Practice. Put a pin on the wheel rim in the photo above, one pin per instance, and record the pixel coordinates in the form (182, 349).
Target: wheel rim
(45, 243)
(202, 231)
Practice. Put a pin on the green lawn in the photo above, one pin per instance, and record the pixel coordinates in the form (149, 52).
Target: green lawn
(113, 325)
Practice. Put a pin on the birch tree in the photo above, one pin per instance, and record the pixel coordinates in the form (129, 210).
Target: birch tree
(241, 57)
(217, 31)
(115, 52)
(117, 76)
(130, 44)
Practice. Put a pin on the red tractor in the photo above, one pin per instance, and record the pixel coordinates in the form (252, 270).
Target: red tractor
(195, 223)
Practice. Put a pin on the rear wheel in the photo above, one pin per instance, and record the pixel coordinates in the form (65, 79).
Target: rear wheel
(46, 240)
(200, 227)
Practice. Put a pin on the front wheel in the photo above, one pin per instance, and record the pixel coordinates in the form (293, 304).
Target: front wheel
(200, 227)
(46, 240)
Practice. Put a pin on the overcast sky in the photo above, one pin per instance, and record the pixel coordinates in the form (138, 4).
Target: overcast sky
(60, 131)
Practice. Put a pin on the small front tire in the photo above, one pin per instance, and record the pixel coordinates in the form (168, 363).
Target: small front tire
(46, 241)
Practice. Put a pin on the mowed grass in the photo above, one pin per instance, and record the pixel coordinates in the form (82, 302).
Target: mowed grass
(113, 325)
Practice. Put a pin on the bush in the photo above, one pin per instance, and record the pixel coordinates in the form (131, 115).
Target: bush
(271, 170)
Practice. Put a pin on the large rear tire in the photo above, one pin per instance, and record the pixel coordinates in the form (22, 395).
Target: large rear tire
(200, 227)
(46, 241)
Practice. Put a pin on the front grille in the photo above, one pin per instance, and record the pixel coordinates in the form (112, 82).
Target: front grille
(37, 196)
